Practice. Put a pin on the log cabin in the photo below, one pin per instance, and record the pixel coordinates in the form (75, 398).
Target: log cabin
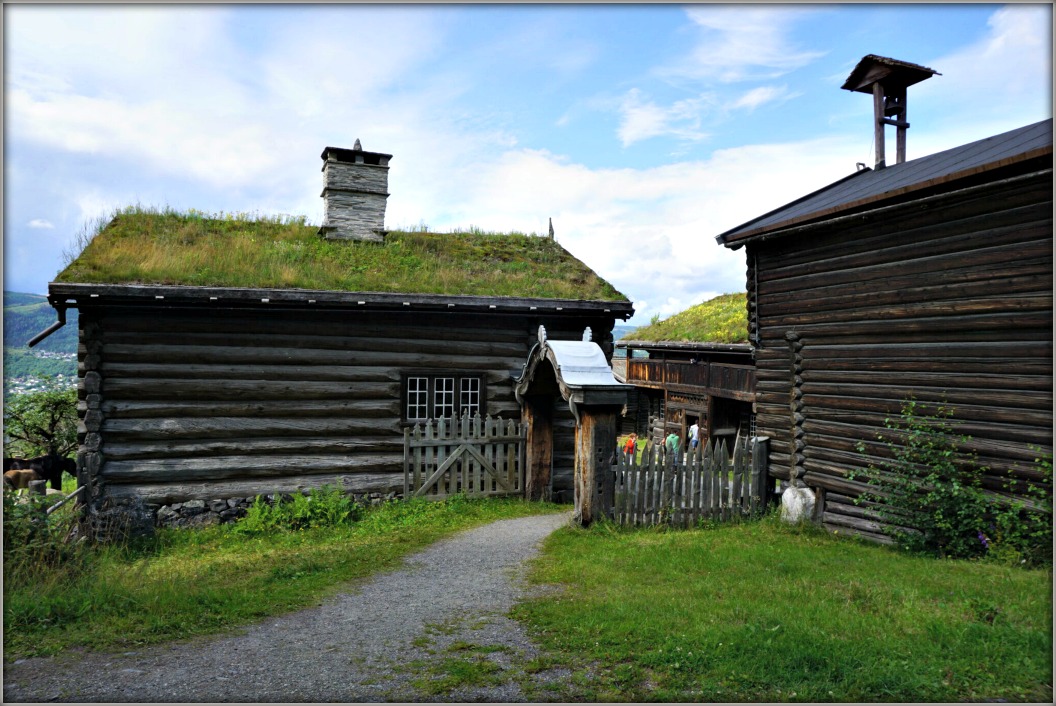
(234, 356)
(929, 278)
(695, 367)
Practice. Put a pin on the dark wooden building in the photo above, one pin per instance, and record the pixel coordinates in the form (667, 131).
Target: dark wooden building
(930, 279)
(192, 387)
(679, 384)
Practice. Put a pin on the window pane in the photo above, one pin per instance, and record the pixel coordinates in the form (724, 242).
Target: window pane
(417, 398)
(469, 396)
(444, 398)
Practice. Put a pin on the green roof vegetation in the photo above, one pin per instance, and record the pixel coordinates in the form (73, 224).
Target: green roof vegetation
(148, 246)
(723, 319)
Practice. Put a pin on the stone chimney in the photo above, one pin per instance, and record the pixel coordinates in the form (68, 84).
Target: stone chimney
(886, 80)
(355, 186)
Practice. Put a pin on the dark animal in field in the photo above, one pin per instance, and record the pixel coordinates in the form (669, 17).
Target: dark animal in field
(47, 468)
(19, 479)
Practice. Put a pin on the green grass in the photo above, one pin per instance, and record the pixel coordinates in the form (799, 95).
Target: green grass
(723, 319)
(766, 612)
(150, 246)
(198, 582)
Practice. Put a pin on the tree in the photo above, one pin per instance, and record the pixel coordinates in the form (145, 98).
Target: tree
(42, 423)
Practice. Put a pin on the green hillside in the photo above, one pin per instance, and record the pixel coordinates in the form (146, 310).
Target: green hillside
(723, 319)
(26, 315)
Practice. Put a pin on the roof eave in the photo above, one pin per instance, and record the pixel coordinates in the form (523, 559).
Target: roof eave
(76, 295)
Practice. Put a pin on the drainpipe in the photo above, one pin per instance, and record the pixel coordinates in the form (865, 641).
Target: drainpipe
(61, 311)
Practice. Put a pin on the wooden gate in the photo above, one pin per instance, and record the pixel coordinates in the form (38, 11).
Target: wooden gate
(704, 484)
(478, 457)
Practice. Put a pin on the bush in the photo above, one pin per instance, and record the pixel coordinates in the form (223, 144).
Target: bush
(932, 498)
(323, 507)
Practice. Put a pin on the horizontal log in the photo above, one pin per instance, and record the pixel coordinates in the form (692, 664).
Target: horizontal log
(165, 493)
(204, 390)
(367, 409)
(950, 350)
(933, 328)
(119, 430)
(1005, 303)
(981, 380)
(245, 467)
(169, 354)
(843, 529)
(1016, 274)
(417, 339)
(452, 328)
(222, 371)
(295, 446)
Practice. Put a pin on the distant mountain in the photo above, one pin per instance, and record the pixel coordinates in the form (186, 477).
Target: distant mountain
(26, 315)
(620, 331)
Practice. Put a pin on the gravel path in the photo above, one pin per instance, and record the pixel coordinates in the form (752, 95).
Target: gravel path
(373, 643)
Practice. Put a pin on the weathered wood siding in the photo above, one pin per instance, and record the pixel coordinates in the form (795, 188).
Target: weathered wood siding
(209, 404)
(952, 302)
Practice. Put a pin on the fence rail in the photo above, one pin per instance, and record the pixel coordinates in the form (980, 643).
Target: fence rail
(703, 484)
(471, 455)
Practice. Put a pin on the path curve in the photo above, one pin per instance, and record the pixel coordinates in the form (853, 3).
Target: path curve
(354, 647)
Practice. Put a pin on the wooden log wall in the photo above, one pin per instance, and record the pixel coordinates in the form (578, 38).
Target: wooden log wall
(952, 302)
(178, 404)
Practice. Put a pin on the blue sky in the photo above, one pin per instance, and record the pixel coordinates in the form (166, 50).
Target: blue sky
(643, 131)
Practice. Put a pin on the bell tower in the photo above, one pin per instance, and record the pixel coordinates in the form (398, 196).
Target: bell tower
(887, 81)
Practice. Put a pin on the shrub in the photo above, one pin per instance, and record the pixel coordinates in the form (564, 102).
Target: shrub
(932, 498)
(35, 544)
(323, 507)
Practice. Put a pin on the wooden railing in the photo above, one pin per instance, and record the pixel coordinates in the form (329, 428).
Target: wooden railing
(717, 376)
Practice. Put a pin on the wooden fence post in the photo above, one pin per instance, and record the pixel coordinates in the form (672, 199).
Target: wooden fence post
(760, 476)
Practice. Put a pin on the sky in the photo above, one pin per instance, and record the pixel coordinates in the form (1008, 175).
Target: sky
(642, 131)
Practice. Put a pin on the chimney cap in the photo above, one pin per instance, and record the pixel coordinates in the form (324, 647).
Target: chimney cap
(344, 154)
(891, 72)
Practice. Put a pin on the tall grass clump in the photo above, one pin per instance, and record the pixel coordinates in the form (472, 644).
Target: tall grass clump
(321, 507)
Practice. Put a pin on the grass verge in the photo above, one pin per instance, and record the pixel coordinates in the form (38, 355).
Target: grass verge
(186, 583)
(767, 612)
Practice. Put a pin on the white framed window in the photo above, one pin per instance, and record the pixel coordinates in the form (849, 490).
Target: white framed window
(443, 397)
(417, 397)
(431, 396)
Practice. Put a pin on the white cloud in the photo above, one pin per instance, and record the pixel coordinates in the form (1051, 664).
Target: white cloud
(990, 86)
(641, 119)
(760, 96)
(650, 232)
(740, 42)
(41, 224)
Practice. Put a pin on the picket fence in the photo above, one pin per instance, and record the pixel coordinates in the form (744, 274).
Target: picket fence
(471, 455)
(704, 484)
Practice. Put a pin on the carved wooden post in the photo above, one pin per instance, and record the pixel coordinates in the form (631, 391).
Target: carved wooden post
(595, 454)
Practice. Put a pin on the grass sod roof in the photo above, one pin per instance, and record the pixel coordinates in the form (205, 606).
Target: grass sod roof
(723, 319)
(149, 247)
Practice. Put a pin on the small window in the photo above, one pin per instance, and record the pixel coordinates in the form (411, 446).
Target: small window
(417, 397)
(442, 396)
